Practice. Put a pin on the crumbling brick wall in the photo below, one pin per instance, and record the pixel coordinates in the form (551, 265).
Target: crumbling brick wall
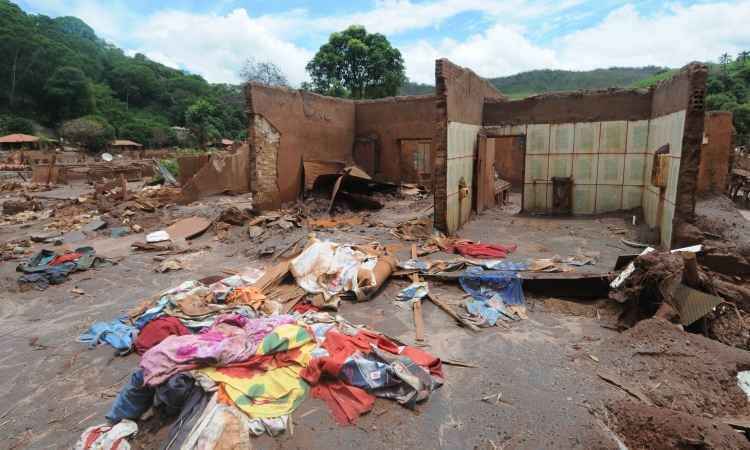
(678, 111)
(390, 120)
(300, 126)
(717, 151)
(460, 100)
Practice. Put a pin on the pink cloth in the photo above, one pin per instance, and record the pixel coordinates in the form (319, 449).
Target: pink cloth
(484, 251)
(232, 338)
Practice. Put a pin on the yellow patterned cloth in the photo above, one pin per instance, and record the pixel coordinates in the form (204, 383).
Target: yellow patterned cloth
(279, 389)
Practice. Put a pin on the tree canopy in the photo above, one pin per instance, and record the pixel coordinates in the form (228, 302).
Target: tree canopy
(68, 93)
(728, 89)
(200, 118)
(90, 132)
(357, 64)
(56, 69)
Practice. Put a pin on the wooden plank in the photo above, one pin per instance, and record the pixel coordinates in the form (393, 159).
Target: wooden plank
(418, 322)
(440, 304)
(631, 389)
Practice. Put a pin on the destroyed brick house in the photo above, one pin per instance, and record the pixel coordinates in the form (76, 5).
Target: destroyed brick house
(269, 298)
(577, 153)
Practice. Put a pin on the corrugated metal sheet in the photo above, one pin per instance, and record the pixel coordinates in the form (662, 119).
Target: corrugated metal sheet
(693, 304)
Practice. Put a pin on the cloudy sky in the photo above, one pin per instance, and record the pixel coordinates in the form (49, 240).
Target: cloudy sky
(495, 38)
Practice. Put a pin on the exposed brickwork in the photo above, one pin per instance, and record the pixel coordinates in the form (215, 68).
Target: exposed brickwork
(692, 141)
(440, 146)
(460, 98)
(716, 153)
(264, 150)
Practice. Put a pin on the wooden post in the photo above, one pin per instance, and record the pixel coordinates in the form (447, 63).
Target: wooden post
(51, 168)
(692, 277)
(418, 322)
(124, 187)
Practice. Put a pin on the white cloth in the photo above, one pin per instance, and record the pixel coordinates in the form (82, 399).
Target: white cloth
(331, 269)
(111, 437)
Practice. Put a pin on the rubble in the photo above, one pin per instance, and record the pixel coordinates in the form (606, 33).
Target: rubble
(274, 321)
(232, 352)
(13, 207)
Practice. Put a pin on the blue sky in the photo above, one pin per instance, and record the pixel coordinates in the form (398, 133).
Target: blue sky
(495, 38)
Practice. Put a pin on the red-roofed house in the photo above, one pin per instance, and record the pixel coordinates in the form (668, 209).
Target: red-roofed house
(19, 141)
(124, 144)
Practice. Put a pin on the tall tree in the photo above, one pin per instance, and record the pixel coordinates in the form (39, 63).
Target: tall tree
(17, 125)
(201, 119)
(358, 64)
(69, 93)
(743, 56)
(20, 49)
(90, 132)
(725, 60)
(264, 72)
(134, 83)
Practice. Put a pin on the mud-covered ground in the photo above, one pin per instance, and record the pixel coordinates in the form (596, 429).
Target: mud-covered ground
(546, 368)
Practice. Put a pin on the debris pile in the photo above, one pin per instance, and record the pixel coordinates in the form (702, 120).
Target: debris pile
(230, 354)
(681, 286)
(17, 186)
(13, 207)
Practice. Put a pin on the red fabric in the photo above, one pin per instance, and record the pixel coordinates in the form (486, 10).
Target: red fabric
(425, 360)
(348, 402)
(92, 437)
(486, 251)
(156, 331)
(68, 257)
(302, 308)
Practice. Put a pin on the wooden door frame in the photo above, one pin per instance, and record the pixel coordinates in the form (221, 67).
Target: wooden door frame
(523, 146)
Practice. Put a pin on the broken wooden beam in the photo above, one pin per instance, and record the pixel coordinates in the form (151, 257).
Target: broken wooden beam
(692, 277)
(440, 304)
(567, 284)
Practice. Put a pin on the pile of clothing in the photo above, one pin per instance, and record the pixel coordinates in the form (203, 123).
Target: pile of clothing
(227, 367)
(50, 267)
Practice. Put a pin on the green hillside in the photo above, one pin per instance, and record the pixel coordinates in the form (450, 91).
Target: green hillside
(541, 81)
(56, 70)
(533, 82)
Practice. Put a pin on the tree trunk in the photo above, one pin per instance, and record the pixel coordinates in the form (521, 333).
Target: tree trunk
(13, 70)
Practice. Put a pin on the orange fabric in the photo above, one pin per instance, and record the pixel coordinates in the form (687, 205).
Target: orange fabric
(250, 295)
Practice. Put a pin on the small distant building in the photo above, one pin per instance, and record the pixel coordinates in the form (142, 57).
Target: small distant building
(124, 145)
(223, 144)
(183, 135)
(20, 142)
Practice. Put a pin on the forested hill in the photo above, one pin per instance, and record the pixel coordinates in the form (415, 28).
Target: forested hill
(56, 69)
(533, 82)
(540, 81)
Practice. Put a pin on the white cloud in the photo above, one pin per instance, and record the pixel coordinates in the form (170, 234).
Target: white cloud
(673, 37)
(215, 46)
(498, 51)
(397, 16)
(110, 21)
